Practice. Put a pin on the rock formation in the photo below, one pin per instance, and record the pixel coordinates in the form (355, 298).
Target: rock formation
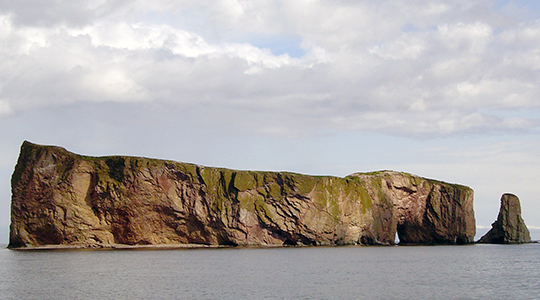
(60, 198)
(509, 227)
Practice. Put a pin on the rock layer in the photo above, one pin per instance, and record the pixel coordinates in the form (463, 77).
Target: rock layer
(60, 198)
(509, 228)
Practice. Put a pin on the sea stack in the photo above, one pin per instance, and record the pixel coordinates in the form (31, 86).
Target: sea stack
(67, 200)
(509, 227)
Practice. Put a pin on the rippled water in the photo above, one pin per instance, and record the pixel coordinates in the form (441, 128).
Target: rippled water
(422, 272)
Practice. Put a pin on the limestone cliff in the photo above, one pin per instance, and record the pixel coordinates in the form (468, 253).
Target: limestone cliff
(509, 228)
(60, 198)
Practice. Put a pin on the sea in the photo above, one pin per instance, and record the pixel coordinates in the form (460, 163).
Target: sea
(346, 272)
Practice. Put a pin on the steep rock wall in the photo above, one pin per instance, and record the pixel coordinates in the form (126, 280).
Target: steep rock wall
(60, 198)
(509, 228)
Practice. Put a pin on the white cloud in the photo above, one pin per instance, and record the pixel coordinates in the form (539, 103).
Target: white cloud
(407, 46)
(5, 108)
(448, 73)
(472, 38)
(525, 34)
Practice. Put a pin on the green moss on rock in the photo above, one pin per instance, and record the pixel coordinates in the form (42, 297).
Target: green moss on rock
(245, 180)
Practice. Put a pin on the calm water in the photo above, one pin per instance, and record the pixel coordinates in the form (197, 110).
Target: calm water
(436, 272)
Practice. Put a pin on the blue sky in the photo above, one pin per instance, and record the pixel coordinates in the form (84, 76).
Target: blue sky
(442, 89)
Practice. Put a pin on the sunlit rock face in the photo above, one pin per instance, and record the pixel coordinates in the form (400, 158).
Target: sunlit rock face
(60, 198)
(509, 228)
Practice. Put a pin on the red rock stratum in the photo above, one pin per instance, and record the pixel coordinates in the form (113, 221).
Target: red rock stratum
(63, 199)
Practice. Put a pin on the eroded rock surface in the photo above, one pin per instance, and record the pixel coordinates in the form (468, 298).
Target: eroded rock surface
(509, 228)
(60, 198)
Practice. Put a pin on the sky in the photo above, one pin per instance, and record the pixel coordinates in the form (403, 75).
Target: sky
(448, 90)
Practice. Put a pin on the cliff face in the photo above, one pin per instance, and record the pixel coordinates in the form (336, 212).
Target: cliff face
(60, 198)
(509, 228)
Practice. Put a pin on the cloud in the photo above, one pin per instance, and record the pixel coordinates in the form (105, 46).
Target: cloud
(472, 38)
(427, 68)
(5, 108)
(49, 13)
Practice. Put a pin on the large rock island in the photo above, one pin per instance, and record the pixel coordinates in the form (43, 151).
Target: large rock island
(68, 200)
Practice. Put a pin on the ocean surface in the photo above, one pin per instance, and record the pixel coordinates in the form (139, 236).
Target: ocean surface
(360, 272)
